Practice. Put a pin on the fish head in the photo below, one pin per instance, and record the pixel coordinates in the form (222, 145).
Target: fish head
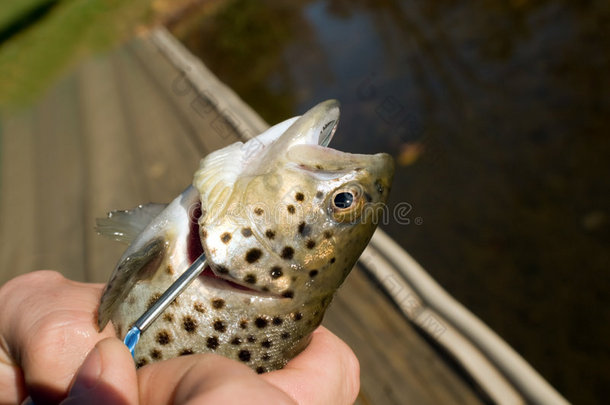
(287, 217)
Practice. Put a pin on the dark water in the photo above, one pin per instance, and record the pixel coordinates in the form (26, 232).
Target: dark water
(498, 114)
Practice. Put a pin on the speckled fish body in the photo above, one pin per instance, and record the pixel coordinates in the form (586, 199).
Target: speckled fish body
(281, 220)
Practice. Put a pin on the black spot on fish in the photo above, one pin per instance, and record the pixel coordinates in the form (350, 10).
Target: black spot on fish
(285, 335)
(175, 302)
(168, 317)
(265, 357)
(141, 362)
(266, 343)
(163, 337)
(243, 324)
(247, 232)
(368, 197)
(310, 244)
(225, 237)
(253, 255)
(219, 326)
(244, 355)
(332, 260)
(299, 196)
(276, 272)
(258, 211)
(304, 229)
(212, 342)
(277, 320)
(198, 306)
(297, 316)
(218, 303)
(236, 341)
(186, 352)
(155, 354)
(291, 209)
(261, 322)
(288, 294)
(319, 167)
(265, 289)
(287, 253)
(313, 273)
(189, 324)
(328, 234)
(251, 338)
(260, 369)
(250, 278)
(269, 234)
(319, 195)
(151, 301)
(169, 269)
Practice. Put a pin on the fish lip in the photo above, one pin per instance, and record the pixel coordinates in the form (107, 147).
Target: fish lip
(195, 247)
(224, 282)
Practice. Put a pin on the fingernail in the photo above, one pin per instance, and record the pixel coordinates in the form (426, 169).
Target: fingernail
(88, 374)
(27, 401)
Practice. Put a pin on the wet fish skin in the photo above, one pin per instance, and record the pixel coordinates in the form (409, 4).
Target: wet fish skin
(283, 220)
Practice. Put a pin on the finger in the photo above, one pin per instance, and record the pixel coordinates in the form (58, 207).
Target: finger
(205, 378)
(327, 371)
(47, 326)
(107, 376)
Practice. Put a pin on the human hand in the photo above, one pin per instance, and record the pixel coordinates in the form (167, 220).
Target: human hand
(47, 328)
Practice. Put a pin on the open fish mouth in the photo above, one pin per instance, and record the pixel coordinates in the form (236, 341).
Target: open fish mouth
(208, 276)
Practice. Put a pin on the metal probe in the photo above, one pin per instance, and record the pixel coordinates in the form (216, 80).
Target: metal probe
(133, 336)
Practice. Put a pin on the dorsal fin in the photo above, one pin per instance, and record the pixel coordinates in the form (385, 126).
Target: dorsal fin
(125, 225)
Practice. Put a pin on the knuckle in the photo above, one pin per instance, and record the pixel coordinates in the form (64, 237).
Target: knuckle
(32, 279)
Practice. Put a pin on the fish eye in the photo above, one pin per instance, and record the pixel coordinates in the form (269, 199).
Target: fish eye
(346, 204)
(343, 200)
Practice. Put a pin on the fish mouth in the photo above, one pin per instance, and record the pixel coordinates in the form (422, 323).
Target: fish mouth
(208, 276)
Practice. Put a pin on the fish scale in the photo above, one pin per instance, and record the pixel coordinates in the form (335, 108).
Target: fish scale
(281, 220)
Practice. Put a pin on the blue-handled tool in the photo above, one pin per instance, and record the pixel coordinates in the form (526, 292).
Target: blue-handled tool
(133, 335)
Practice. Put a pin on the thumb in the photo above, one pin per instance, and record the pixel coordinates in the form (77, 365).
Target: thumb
(107, 376)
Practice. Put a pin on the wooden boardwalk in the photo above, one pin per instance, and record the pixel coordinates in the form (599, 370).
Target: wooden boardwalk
(129, 127)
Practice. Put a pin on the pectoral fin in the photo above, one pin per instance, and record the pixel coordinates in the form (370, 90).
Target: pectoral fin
(135, 265)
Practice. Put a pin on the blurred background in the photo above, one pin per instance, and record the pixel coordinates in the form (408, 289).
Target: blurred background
(497, 114)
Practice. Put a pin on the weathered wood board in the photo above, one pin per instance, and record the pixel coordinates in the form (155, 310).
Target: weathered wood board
(128, 128)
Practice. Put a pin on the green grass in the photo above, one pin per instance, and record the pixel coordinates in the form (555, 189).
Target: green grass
(13, 10)
(34, 55)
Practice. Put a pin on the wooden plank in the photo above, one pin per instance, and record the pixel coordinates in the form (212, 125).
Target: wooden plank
(113, 179)
(60, 185)
(398, 366)
(128, 128)
(17, 224)
(56, 240)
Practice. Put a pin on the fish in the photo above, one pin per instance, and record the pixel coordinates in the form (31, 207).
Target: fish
(281, 219)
